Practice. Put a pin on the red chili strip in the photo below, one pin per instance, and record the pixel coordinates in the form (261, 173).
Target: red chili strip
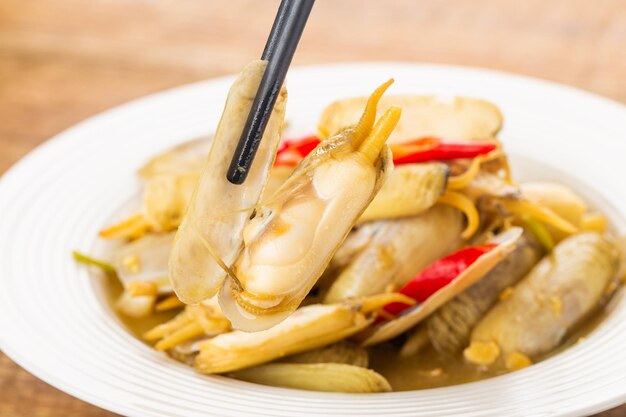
(292, 151)
(438, 275)
(434, 149)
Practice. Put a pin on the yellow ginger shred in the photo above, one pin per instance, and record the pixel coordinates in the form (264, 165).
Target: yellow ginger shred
(137, 288)
(506, 293)
(467, 207)
(460, 181)
(169, 303)
(482, 353)
(539, 212)
(515, 361)
(132, 228)
(132, 264)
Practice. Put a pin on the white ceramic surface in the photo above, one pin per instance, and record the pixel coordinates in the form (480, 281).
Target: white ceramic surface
(55, 323)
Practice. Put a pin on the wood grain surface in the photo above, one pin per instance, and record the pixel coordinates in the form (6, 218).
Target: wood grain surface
(64, 60)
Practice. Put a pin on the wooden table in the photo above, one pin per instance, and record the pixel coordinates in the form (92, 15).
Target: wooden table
(64, 60)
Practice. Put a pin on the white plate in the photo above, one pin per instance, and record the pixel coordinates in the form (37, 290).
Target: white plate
(55, 323)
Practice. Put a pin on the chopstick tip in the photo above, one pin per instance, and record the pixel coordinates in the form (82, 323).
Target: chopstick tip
(236, 175)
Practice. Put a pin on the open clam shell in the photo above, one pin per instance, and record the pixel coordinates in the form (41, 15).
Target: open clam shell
(412, 316)
(291, 239)
(210, 235)
(455, 118)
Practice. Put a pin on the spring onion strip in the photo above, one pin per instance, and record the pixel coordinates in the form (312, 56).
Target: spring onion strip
(460, 181)
(87, 260)
(540, 232)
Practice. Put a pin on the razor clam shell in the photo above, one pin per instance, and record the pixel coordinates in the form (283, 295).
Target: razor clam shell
(409, 318)
(166, 197)
(307, 328)
(356, 241)
(335, 224)
(575, 274)
(327, 377)
(334, 148)
(342, 352)
(186, 157)
(491, 185)
(449, 327)
(210, 234)
(151, 251)
(399, 249)
(457, 117)
(410, 190)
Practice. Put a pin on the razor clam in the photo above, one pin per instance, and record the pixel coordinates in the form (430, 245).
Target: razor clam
(325, 377)
(410, 190)
(170, 181)
(166, 197)
(397, 251)
(306, 329)
(210, 235)
(411, 317)
(141, 267)
(558, 293)
(355, 243)
(186, 157)
(292, 238)
(342, 352)
(145, 259)
(489, 184)
(449, 327)
(457, 117)
(170, 178)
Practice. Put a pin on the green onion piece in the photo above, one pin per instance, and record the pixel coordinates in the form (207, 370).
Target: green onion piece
(87, 260)
(540, 231)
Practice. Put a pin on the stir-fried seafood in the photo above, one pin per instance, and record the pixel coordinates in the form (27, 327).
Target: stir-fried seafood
(308, 328)
(561, 290)
(289, 240)
(396, 251)
(450, 326)
(330, 377)
(455, 118)
(210, 235)
(410, 190)
(501, 246)
(329, 270)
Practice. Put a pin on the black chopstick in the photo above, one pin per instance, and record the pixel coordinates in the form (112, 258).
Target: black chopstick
(279, 49)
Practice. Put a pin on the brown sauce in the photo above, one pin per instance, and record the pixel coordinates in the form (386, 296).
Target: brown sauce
(135, 326)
